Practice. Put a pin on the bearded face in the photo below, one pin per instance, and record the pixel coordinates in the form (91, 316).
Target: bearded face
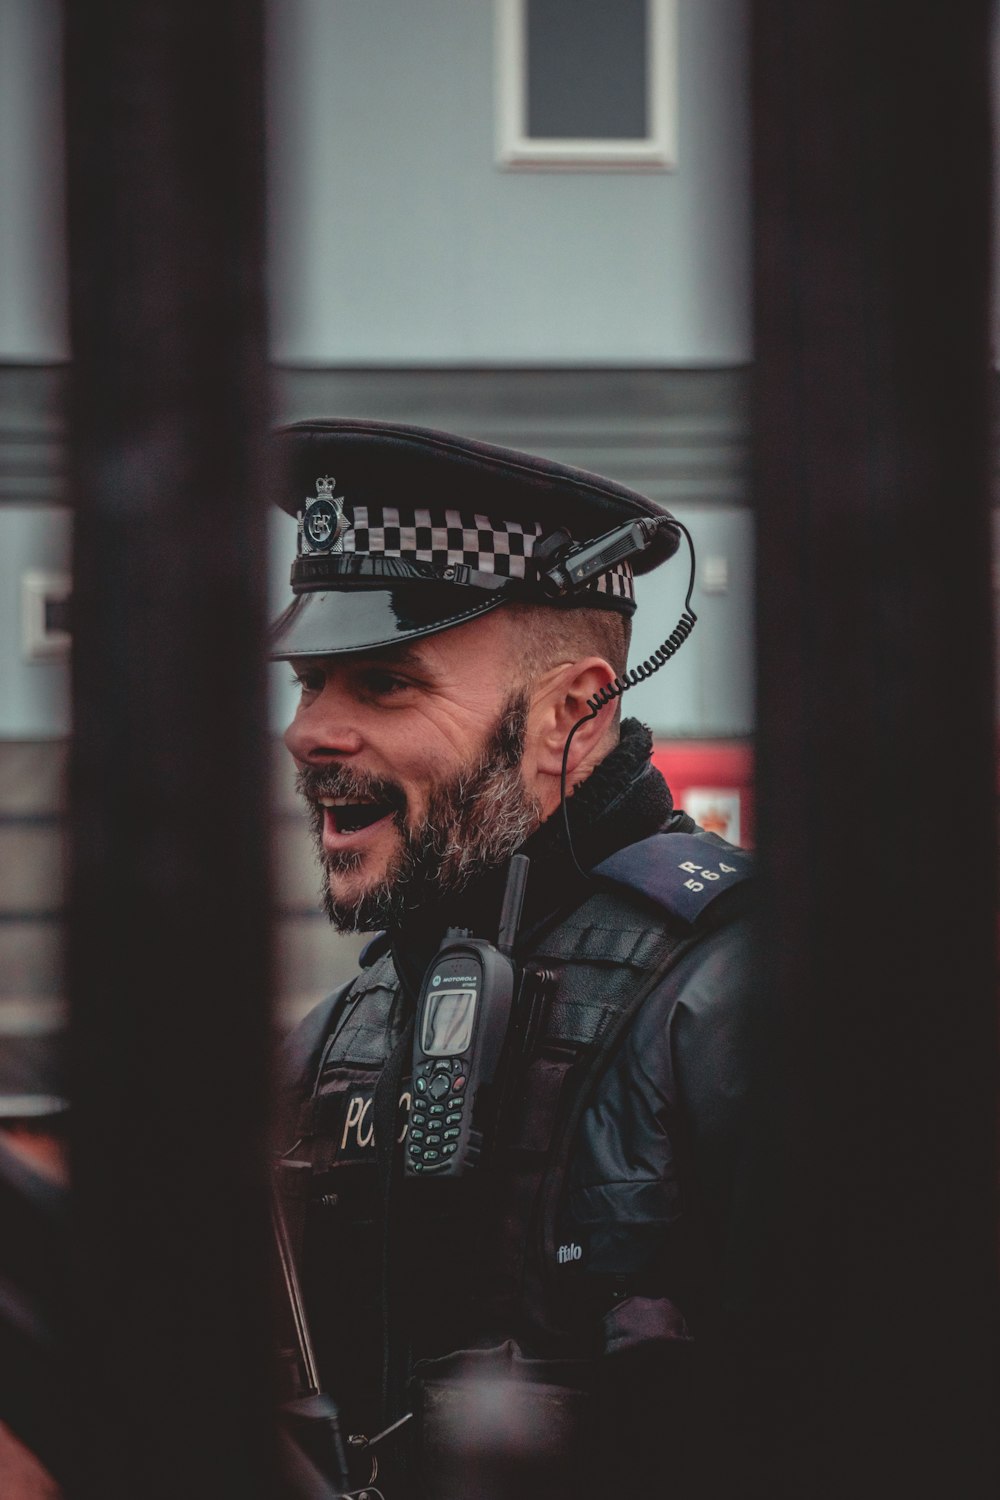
(465, 822)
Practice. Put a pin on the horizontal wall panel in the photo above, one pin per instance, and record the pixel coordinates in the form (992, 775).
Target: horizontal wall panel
(677, 434)
(681, 434)
(32, 1016)
(32, 778)
(33, 454)
(31, 959)
(32, 869)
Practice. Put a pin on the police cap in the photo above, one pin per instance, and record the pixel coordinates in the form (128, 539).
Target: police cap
(406, 531)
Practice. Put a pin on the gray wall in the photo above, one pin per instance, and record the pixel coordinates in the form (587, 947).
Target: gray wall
(32, 269)
(395, 237)
(33, 692)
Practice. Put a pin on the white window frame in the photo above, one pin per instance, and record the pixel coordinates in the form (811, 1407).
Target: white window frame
(517, 150)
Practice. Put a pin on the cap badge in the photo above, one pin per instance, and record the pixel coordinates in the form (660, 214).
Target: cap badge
(323, 522)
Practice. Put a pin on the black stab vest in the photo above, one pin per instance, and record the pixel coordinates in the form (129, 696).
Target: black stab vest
(474, 1263)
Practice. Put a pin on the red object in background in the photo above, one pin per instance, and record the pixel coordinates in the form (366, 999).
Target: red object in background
(713, 781)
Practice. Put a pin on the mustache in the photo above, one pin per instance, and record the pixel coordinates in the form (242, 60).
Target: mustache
(314, 782)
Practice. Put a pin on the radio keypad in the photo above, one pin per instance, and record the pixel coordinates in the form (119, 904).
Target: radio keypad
(438, 1102)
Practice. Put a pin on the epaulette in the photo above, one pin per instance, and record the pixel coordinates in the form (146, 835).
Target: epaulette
(684, 873)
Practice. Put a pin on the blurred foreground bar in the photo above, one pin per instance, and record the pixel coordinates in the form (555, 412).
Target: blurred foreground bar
(877, 1240)
(168, 962)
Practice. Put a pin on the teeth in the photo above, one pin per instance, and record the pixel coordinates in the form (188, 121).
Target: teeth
(345, 801)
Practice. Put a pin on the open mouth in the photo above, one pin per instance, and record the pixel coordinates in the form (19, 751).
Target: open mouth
(351, 816)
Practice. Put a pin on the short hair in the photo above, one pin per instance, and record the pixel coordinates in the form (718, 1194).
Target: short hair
(549, 635)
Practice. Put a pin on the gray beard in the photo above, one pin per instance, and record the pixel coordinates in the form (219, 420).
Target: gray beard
(475, 821)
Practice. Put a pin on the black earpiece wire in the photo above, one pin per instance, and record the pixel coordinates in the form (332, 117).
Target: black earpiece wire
(612, 691)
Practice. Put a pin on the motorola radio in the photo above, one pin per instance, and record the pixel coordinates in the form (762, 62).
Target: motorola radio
(460, 1043)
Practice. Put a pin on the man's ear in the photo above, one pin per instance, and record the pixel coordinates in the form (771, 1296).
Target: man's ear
(561, 701)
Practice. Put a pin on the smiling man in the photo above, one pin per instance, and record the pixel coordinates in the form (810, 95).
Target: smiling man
(526, 1261)
(429, 763)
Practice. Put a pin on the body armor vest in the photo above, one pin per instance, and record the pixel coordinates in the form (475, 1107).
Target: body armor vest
(471, 1262)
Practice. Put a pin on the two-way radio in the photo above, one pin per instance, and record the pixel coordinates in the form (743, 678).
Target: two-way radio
(460, 1042)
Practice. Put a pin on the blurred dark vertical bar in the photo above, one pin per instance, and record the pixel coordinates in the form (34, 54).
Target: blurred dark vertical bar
(169, 962)
(876, 759)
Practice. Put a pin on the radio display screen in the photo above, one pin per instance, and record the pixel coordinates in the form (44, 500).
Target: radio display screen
(448, 1018)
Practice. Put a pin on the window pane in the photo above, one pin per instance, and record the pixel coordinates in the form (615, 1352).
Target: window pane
(586, 67)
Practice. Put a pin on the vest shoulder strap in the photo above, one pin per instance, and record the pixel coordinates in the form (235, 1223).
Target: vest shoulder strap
(364, 1028)
(682, 873)
(303, 1049)
(300, 1055)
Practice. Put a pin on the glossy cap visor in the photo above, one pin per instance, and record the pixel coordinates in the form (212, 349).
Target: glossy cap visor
(365, 619)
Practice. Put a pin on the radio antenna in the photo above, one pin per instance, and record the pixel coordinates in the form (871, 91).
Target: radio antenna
(513, 902)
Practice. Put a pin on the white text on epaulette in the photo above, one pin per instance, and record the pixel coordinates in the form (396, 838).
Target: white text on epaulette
(692, 869)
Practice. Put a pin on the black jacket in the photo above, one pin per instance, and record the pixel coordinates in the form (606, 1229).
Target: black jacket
(608, 1298)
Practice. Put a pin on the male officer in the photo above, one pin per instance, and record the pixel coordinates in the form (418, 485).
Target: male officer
(461, 613)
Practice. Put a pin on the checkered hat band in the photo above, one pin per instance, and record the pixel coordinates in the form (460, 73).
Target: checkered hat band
(502, 548)
(618, 582)
(443, 537)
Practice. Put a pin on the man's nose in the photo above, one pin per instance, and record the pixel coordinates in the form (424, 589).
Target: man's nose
(322, 729)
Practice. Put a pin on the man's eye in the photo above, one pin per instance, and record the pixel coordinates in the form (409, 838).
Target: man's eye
(383, 684)
(309, 682)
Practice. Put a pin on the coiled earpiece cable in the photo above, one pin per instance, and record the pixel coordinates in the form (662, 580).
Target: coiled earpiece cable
(612, 691)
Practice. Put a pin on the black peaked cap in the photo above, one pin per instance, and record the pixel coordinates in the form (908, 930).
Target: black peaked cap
(405, 531)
